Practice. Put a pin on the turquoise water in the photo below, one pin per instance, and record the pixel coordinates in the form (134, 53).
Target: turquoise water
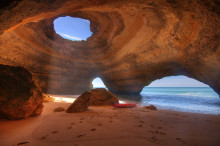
(186, 99)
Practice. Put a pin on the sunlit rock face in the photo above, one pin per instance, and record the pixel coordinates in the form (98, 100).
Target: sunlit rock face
(19, 96)
(134, 42)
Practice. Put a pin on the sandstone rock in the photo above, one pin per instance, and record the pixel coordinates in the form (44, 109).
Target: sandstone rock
(48, 98)
(151, 107)
(81, 104)
(59, 109)
(134, 42)
(101, 96)
(19, 95)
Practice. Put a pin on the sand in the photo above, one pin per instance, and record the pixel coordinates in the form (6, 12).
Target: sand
(109, 126)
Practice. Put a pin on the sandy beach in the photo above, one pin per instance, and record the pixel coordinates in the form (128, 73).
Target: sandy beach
(109, 126)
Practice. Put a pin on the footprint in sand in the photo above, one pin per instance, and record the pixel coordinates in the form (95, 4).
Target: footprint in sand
(179, 139)
(140, 125)
(81, 135)
(21, 143)
(163, 133)
(55, 132)
(154, 138)
(44, 137)
(157, 132)
(93, 129)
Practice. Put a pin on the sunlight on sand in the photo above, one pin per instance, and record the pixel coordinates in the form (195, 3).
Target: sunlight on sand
(69, 99)
(63, 98)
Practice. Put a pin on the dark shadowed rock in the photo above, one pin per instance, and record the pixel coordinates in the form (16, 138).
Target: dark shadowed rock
(81, 104)
(101, 96)
(19, 95)
(151, 107)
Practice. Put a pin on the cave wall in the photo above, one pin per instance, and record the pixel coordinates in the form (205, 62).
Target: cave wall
(134, 42)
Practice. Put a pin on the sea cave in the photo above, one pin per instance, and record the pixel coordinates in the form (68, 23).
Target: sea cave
(129, 45)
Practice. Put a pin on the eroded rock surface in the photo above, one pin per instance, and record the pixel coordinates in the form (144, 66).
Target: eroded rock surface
(151, 107)
(19, 96)
(101, 96)
(134, 42)
(81, 104)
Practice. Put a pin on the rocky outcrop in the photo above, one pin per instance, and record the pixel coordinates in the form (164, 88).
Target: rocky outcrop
(97, 97)
(59, 109)
(151, 107)
(19, 96)
(134, 42)
(81, 104)
(101, 96)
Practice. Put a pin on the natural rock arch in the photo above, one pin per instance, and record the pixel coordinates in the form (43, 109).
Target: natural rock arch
(133, 43)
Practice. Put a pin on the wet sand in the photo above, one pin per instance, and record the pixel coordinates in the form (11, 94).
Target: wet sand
(108, 126)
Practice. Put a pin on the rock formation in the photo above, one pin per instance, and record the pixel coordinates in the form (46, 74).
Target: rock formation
(101, 96)
(151, 107)
(134, 42)
(59, 109)
(81, 104)
(19, 95)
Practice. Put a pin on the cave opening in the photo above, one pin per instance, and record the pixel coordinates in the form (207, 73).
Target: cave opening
(98, 83)
(72, 28)
(181, 93)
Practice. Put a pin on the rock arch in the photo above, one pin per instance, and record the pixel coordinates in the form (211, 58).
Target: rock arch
(133, 43)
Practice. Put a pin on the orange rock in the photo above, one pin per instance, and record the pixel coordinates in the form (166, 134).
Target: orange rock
(81, 104)
(19, 96)
(151, 107)
(101, 96)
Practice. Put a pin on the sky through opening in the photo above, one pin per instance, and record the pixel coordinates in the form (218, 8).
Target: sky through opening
(71, 28)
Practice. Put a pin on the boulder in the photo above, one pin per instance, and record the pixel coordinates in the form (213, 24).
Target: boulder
(81, 104)
(19, 95)
(59, 109)
(101, 96)
(151, 107)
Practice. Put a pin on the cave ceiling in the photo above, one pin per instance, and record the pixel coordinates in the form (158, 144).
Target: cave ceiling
(134, 42)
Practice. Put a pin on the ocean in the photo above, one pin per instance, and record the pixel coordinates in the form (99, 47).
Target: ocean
(186, 99)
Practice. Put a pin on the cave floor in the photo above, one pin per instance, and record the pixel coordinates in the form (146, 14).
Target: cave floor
(110, 126)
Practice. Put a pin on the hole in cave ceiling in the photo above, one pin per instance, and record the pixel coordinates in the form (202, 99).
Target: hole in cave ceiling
(72, 28)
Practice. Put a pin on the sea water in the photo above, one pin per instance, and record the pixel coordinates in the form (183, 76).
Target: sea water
(187, 99)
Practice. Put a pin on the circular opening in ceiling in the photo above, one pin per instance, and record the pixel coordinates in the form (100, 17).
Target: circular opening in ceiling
(72, 28)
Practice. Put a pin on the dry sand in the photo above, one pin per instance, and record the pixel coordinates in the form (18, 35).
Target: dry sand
(108, 126)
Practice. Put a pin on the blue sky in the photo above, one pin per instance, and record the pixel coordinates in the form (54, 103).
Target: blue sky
(177, 81)
(72, 28)
(79, 29)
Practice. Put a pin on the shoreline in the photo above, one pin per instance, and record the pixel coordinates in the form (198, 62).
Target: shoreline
(106, 125)
(71, 98)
